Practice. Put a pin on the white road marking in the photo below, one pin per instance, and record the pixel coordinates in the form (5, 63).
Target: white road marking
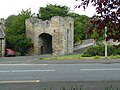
(32, 70)
(22, 81)
(23, 64)
(14, 71)
(104, 69)
(5, 71)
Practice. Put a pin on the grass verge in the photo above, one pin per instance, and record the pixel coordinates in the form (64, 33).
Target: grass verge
(78, 57)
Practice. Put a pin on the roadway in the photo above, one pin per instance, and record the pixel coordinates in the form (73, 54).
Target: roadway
(34, 76)
(60, 72)
(29, 73)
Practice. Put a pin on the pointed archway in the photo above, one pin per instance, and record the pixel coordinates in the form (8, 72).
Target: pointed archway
(45, 43)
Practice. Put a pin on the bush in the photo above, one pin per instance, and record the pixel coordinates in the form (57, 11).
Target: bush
(99, 50)
(86, 55)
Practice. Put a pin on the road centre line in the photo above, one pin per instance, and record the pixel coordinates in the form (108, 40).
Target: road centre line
(104, 69)
(13, 71)
(23, 64)
(21, 81)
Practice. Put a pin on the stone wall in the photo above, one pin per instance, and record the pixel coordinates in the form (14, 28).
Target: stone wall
(2, 35)
(61, 29)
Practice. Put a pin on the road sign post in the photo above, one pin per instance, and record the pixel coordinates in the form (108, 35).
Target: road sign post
(105, 42)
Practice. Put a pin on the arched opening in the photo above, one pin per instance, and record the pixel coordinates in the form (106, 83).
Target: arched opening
(45, 43)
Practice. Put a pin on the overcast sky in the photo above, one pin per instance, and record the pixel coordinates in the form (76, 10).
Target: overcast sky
(9, 7)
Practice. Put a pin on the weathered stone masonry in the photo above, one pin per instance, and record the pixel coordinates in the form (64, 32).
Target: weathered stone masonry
(2, 37)
(53, 36)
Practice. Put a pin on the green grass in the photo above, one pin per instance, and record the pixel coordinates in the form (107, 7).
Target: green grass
(66, 57)
(115, 57)
(78, 57)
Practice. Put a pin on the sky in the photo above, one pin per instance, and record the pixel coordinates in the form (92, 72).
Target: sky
(10, 7)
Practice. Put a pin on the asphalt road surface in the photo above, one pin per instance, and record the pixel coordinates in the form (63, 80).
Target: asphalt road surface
(21, 59)
(39, 76)
(60, 72)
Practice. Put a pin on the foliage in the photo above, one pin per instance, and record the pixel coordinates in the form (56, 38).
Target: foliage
(81, 23)
(15, 32)
(108, 14)
(99, 51)
(45, 13)
(98, 38)
(9, 20)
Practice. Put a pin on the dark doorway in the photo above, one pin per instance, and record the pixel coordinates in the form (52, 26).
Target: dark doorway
(46, 43)
(41, 49)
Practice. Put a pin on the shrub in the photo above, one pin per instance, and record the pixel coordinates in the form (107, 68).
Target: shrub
(99, 50)
(86, 55)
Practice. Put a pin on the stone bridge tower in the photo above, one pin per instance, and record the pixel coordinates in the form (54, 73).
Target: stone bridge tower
(54, 36)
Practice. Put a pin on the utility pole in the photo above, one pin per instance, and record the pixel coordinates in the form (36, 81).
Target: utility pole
(105, 42)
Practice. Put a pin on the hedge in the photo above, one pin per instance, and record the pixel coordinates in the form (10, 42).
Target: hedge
(99, 50)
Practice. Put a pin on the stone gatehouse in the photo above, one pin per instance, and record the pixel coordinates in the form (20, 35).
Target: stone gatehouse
(54, 36)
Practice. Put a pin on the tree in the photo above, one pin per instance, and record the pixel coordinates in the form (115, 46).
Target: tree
(45, 13)
(15, 32)
(80, 26)
(108, 15)
(8, 21)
